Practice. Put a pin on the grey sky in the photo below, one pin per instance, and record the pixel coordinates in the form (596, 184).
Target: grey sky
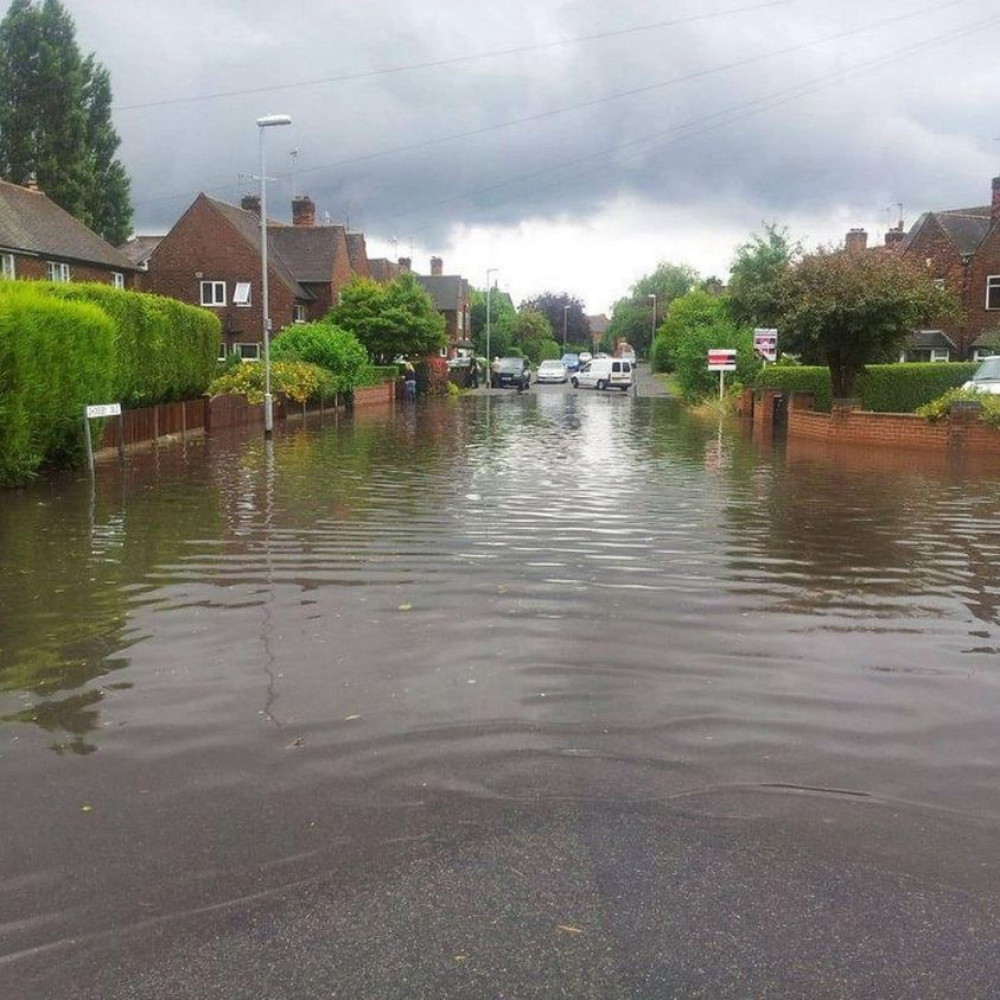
(740, 117)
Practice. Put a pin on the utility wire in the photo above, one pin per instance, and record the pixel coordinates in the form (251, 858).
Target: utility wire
(593, 102)
(690, 128)
(454, 60)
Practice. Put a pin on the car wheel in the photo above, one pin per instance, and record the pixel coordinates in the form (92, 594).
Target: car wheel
(601, 384)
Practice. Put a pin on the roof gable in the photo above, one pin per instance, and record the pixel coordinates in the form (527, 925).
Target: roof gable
(966, 228)
(311, 252)
(32, 223)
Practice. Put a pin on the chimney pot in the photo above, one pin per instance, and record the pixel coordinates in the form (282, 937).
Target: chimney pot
(303, 211)
(251, 203)
(856, 240)
(895, 236)
(437, 266)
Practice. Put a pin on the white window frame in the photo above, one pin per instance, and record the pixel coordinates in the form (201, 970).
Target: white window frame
(940, 354)
(298, 313)
(117, 279)
(254, 352)
(241, 295)
(213, 300)
(223, 351)
(57, 271)
(8, 268)
(993, 285)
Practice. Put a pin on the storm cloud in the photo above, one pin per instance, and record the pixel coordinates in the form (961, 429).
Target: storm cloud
(561, 133)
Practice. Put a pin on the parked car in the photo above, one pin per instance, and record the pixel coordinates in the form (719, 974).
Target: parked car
(511, 372)
(604, 373)
(551, 371)
(986, 377)
(572, 362)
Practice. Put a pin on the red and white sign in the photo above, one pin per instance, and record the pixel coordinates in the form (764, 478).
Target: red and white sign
(722, 359)
(765, 343)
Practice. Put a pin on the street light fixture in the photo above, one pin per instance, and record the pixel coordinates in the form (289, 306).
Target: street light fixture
(268, 121)
(565, 314)
(489, 357)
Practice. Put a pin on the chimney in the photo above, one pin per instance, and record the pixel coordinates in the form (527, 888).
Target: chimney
(856, 241)
(437, 267)
(995, 211)
(251, 203)
(895, 236)
(404, 264)
(303, 211)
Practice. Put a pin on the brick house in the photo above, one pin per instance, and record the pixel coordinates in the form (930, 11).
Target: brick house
(211, 258)
(450, 295)
(40, 241)
(961, 249)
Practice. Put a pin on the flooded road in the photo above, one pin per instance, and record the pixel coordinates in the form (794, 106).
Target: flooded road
(520, 696)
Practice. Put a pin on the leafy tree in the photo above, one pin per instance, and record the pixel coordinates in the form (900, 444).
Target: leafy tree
(502, 315)
(392, 319)
(846, 310)
(326, 345)
(632, 318)
(531, 333)
(695, 323)
(55, 118)
(757, 267)
(552, 305)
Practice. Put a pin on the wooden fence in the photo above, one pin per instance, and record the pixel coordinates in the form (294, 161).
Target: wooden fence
(153, 422)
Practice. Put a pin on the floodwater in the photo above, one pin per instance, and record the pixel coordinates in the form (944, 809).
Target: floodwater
(522, 696)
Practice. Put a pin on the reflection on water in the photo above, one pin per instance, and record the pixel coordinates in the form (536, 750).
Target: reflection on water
(433, 595)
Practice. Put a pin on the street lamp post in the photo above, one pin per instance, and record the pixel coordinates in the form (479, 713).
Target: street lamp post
(268, 121)
(565, 314)
(652, 335)
(489, 357)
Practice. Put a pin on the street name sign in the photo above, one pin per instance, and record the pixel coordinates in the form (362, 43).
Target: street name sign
(721, 359)
(104, 410)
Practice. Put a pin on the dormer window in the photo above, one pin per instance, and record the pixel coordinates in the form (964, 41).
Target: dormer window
(993, 291)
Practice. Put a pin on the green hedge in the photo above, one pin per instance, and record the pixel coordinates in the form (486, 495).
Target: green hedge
(55, 358)
(327, 345)
(380, 374)
(898, 388)
(165, 350)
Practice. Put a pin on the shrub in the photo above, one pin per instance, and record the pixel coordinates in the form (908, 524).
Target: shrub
(549, 350)
(379, 374)
(55, 358)
(164, 350)
(328, 346)
(940, 408)
(298, 380)
(432, 375)
(898, 388)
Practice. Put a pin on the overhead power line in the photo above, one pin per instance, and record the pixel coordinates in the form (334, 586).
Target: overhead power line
(453, 60)
(604, 99)
(693, 127)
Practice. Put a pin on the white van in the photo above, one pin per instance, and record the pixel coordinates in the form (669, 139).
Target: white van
(604, 373)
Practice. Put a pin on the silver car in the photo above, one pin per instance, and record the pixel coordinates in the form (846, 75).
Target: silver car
(551, 371)
(986, 377)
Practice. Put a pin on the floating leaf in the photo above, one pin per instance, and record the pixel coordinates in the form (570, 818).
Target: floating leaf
(568, 929)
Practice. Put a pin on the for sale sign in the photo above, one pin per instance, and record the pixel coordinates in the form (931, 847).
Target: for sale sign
(722, 359)
(765, 343)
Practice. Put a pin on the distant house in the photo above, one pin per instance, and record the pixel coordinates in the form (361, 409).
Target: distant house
(960, 248)
(598, 327)
(211, 258)
(40, 241)
(450, 295)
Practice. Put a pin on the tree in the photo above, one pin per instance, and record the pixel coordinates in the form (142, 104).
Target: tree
(696, 323)
(502, 315)
(326, 345)
(532, 335)
(757, 267)
(632, 318)
(55, 118)
(552, 305)
(397, 318)
(848, 309)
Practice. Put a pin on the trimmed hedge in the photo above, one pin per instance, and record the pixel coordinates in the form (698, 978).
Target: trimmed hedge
(326, 345)
(55, 358)
(165, 350)
(897, 388)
